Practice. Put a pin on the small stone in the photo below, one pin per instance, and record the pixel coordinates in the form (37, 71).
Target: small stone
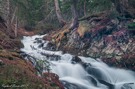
(76, 59)
(1, 63)
(134, 20)
(118, 57)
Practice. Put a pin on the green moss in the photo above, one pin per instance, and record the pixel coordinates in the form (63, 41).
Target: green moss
(17, 78)
(19, 75)
(131, 26)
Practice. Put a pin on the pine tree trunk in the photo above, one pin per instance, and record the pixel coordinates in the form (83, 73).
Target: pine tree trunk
(16, 26)
(8, 17)
(75, 22)
(84, 7)
(124, 8)
(58, 13)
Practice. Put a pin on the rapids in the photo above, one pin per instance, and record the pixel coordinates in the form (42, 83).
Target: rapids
(95, 75)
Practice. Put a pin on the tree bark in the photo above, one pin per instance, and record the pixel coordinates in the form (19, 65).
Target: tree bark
(13, 16)
(8, 17)
(58, 13)
(84, 7)
(16, 26)
(123, 7)
(75, 22)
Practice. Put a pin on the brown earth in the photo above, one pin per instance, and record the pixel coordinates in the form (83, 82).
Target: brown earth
(15, 71)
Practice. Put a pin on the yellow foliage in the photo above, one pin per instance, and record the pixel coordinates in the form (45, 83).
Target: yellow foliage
(82, 29)
(61, 34)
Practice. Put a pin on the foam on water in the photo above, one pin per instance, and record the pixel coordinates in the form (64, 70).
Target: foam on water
(75, 73)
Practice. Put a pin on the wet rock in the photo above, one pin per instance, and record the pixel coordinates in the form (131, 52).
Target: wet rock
(99, 75)
(76, 59)
(38, 40)
(50, 46)
(52, 57)
(127, 86)
(41, 45)
(23, 54)
(68, 85)
(93, 80)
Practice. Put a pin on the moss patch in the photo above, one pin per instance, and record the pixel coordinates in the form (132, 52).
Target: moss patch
(131, 26)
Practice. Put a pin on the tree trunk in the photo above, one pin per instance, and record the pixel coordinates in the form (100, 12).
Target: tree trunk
(123, 7)
(8, 17)
(84, 7)
(13, 16)
(16, 26)
(58, 13)
(75, 22)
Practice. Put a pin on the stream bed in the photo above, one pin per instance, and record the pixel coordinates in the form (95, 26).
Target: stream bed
(88, 73)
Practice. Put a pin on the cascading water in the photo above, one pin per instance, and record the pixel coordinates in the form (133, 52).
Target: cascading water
(94, 75)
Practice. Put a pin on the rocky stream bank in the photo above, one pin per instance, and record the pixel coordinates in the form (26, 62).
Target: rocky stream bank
(110, 39)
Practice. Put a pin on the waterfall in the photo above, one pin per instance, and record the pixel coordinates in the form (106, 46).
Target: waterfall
(95, 74)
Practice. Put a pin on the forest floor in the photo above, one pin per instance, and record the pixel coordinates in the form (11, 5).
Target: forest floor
(15, 71)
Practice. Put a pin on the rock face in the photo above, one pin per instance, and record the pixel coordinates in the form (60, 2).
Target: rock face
(106, 38)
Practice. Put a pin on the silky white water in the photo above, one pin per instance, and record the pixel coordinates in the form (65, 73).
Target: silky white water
(97, 75)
